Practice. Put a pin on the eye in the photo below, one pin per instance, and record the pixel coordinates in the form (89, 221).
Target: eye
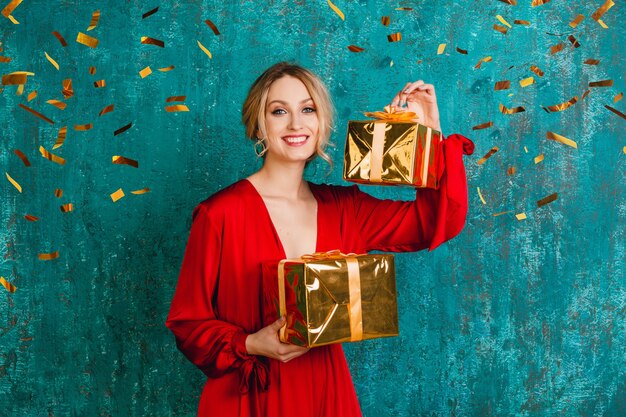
(279, 111)
(309, 110)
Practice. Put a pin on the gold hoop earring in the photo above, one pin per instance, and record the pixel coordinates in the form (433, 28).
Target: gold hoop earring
(260, 143)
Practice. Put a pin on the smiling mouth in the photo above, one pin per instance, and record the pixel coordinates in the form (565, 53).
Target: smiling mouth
(295, 140)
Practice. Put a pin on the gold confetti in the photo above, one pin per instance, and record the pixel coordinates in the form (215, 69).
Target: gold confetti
(6, 284)
(538, 159)
(60, 137)
(87, 40)
(212, 26)
(602, 10)
(394, 37)
(488, 155)
(511, 171)
(354, 48)
(536, 3)
(502, 85)
(15, 22)
(480, 195)
(145, 72)
(406, 9)
(58, 193)
(5, 59)
(560, 107)
(573, 41)
(536, 70)
(618, 97)
(441, 48)
(525, 149)
(624, 149)
(60, 38)
(68, 90)
(121, 160)
(23, 157)
(511, 2)
(601, 23)
(561, 139)
(48, 256)
(51, 157)
(504, 22)
(480, 63)
(556, 48)
(94, 20)
(92, 70)
(547, 200)
(577, 20)
(117, 195)
(514, 110)
(585, 94)
(176, 108)
(20, 90)
(31, 218)
(520, 216)
(482, 126)
(99, 84)
(123, 129)
(521, 22)
(592, 61)
(461, 51)
(107, 109)
(82, 128)
(501, 213)
(175, 98)
(6, 12)
(385, 20)
(603, 83)
(527, 81)
(66, 208)
(36, 113)
(206, 51)
(142, 191)
(166, 69)
(146, 40)
(15, 78)
(150, 13)
(501, 29)
(58, 104)
(32, 95)
(15, 183)
(336, 10)
(619, 113)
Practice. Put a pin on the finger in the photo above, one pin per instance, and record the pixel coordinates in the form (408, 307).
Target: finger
(428, 88)
(410, 87)
(277, 324)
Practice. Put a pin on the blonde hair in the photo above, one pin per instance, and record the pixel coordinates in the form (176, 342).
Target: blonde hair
(253, 111)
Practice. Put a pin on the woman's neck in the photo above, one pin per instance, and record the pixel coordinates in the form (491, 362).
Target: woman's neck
(280, 180)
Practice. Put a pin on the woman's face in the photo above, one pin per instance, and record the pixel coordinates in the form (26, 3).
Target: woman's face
(290, 120)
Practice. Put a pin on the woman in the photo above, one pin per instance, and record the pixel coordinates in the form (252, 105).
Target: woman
(275, 214)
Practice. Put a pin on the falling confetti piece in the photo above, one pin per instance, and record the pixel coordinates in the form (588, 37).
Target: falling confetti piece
(527, 81)
(521, 22)
(6, 12)
(461, 51)
(601, 23)
(176, 108)
(521, 216)
(480, 63)
(573, 41)
(441, 48)
(385, 20)
(92, 70)
(482, 126)
(15, 22)
(36, 113)
(394, 37)
(354, 48)
(15, 183)
(536, 3)
(87, 40)
(406, 9)
(511, 2)
(20, 90)
(536, 70)
(175, 98)
(514, 110)
(525, 149)
(577, 20)
(511, 171)
(23, 157)
(100, 83)
(145, 72)
(556, 48)
(585, 94)
(123, 129)
(60, 38)
(146, 40)
(120, 160)
(166, 69)
(504, 22)
(488, 155)
(501, 213)
(150, 13)
(107, 109)
(547, 200)
(336, 10)
(31, 218)
(66, 208)
(14, 79)
(95, 17)
(206, 51)
(480, 195)
(592, 62)
(48, 256)
(212, 26)
(82, 128)
(618, 97)
(561, 139)
(58, 104)
(502, 85)
(603, 83)
(142, 191)
(601, 11)
(501, 29)
(624, 149)
(68, 90)
(117, 195)
(32, 95)
(51, 157)
(619, 113)
(538, 159)
(560, 107)
(60, 137)
(58, 193)
(5, 59)
(6, 284)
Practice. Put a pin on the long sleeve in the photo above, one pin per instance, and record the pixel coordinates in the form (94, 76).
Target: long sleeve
(214, 346)
(433, 218)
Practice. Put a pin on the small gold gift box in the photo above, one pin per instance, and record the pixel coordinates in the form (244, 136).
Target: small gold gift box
(332, 298)
(392, 150)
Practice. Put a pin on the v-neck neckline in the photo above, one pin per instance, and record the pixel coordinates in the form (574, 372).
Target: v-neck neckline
(281, 247)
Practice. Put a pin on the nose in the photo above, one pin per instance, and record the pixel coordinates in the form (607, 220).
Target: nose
(295, 122)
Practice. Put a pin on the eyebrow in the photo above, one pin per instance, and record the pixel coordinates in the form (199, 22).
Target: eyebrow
(285, 103)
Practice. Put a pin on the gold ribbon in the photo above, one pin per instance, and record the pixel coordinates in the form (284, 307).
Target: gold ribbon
(390, 114)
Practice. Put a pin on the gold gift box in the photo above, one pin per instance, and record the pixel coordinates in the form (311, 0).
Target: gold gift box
(332, 298)
(393, 153)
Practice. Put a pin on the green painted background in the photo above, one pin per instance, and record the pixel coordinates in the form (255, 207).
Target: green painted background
(510, 318)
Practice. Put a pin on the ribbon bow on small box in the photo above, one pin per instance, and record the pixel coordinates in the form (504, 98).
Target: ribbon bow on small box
(392, 114)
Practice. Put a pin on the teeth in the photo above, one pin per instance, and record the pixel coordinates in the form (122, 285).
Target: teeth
(298, 139)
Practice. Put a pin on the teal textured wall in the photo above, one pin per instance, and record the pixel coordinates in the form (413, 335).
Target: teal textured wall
(513, 317)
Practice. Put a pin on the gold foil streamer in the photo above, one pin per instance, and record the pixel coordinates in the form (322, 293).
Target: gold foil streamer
(547, 200)
(504, 22)
(68, 90)
(502, 85)
(525, 149)
(520, 216)
(406, 9)
(482, 126)
(488, 155)
(176, 108)
(6, 12)
(536, 3)
(66, 208)
(212, 26)
(536, 70)
(514, 110)
(603, 83)
(206, 51)
(92, 70)
(147, 40)
(561, 139)
(60, 138)
(123, 129)
(107, 109)
(48, 256)
(121, 160)
(87, 40)
(562, 106)
(441, 48)
(51, 157)
(573, 41)
(577, 20)
(538, 158)
(15, 183)
(36, 113)
(58, 104)
(15, 22)
(31, 218)
(31, 95)
(521, 22)
(527, 81)
(14, 79)
(150, 13)
(602, 10)
(142, 191)
(511, 2)
(336, 10)
(480, 195)
(5, 59)
(585, 94)
(511, 171)
(100, 83)
(23, 157)
(175, 98)
(20, 90)
(501, 29)
(461, 51)
(619, 113)
(145, 72)
(601, 23)
(58, 193)
(117, 195)
(618, 97)
(6, 284)
(394, 37)
(502, 212)
(82, 128)
(556, 48)
(354, 48)
(95, 17)
(592, 61)
(480, 63)
(385, 20)
(60, 38)
(166, 69)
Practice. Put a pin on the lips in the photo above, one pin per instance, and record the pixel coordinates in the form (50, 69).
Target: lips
(295, 140)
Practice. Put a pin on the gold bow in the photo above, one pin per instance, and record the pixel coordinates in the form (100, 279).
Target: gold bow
(331, 254)
(390, 114)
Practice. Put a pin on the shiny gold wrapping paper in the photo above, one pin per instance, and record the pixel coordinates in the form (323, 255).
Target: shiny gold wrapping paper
(410, 154)
(318, 295)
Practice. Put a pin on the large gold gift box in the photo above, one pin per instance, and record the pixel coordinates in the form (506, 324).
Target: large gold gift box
(392, 151)
(332, 298)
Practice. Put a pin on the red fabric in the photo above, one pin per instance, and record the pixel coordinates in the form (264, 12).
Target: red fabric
(218, 297)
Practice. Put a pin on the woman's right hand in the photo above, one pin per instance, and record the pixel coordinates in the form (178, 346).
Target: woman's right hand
(265, 342)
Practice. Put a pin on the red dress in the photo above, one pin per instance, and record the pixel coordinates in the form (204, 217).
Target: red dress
(218, 297)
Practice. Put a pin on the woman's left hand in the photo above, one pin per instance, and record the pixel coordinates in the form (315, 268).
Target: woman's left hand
(419, 98)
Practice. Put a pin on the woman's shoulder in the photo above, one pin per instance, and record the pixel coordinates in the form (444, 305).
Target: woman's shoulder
(225, 200)
(335, 192)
